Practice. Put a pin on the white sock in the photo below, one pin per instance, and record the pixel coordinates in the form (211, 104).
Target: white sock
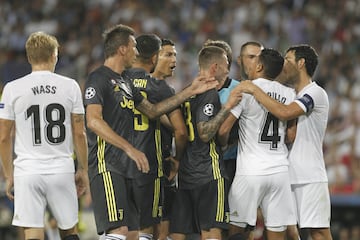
(114, 236)
(145, 236)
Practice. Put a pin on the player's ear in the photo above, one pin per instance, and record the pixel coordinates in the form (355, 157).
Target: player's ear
(122, 50)
(214, 67)
(301, 62)
(259, 67)
(154, 58)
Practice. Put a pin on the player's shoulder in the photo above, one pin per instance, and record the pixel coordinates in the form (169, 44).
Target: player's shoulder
(99, 73)
(133, 73)
(315, 90)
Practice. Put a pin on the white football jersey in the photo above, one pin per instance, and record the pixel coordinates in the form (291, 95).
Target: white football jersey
(306, 156)
(261, 147)
(41, 104)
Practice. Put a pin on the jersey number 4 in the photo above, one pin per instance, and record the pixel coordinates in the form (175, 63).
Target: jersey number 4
(270, 131)
(54, 123)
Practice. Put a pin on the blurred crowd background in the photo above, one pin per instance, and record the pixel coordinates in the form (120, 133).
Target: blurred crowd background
(332, 27)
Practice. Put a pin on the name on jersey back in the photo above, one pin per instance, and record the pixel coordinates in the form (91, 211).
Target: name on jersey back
(44, 89)
(277, 97)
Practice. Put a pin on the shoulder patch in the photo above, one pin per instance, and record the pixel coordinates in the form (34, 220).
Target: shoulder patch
(90, 92)
(208, 109)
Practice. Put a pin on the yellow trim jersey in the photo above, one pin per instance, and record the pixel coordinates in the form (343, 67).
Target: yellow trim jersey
(202, 161)
(118, 98)
(146, 132)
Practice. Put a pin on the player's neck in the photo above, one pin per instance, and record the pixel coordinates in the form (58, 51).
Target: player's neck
(159, 75)
(115, 64)
(304, 81)
(43, 67)
(146, 67)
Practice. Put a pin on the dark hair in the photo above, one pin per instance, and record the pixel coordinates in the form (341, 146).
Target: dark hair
(148, 45)
(165, 42)
(272, 62)
(116, 36)
(209, 55)
(221, 44)
(309, 54)
(251, 43)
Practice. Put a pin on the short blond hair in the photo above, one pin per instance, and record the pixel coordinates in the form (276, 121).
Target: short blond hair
(40, 47)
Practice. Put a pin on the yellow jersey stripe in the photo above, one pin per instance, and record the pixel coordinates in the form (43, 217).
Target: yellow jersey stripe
(156, 197)
(214, 159)
(110, 197)
(220, 200)
(158, 148)
(101, 155)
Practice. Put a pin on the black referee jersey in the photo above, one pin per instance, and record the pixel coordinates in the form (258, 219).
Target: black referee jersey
(146, 132)
(202, 161)
(118, 98)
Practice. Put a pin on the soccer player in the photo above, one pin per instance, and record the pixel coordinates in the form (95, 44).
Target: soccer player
(247, 59)
(48, 113)
(114, 162)
(309, 182)
(147, 133)
(177, 132)
(261, 178)
(201, 199)
(224, 90)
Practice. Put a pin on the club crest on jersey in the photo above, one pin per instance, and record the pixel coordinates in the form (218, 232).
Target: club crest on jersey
(90, 92)
(116, 85)
(208, 109)
(2, 105)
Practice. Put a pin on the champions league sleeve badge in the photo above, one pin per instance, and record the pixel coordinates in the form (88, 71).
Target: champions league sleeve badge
(208, 109)
(90, 92)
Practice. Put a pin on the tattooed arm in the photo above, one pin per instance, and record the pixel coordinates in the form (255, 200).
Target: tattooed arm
(208, 130)
(199, 85)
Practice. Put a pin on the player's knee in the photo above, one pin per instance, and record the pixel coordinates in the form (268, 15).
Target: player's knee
(320, 233)
(71, 237)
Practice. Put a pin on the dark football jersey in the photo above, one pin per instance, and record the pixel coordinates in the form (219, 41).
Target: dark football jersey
(146, 132)
(202, 161)
(118, 98)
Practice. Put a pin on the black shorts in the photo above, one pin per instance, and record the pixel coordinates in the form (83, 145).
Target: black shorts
(201, 208)
(168, 198)
(113, 202)
(149, 199)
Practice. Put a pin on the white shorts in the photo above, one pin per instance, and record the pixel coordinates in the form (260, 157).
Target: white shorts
(33, 192)
(271, 193)
(312, 203)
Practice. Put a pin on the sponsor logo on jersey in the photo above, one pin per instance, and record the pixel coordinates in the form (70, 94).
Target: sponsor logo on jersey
(208, 109)
(90, 92)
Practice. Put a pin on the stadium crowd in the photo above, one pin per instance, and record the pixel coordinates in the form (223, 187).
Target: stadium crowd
(332, 27)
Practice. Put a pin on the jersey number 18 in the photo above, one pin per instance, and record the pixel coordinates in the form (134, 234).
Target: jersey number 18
(54, 123)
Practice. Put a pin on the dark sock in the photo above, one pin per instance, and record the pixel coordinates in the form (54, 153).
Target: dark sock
(71, 237)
